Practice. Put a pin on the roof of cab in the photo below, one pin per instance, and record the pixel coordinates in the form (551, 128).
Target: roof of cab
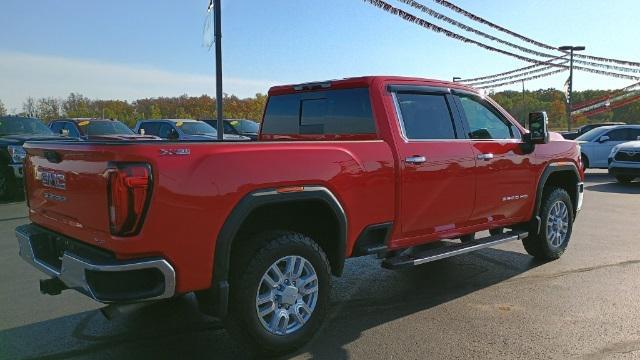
(364, 81)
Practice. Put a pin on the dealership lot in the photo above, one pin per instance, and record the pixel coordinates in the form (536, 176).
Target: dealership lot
(496, 303)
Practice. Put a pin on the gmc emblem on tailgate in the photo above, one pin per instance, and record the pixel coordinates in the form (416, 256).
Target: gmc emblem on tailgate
(52, 179)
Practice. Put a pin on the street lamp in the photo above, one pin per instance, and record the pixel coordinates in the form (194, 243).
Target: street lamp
(571, 49)
(455, 78)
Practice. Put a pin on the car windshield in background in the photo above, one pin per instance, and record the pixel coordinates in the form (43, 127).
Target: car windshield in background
(250, 127)
(592, 134)
(196, 128)
(88, 128)
(23, 126)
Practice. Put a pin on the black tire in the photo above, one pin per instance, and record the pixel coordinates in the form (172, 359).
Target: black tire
(7, 184)
(496, 231)
(468, 238)
(624, 179)
(585, 161)
(243, 320)
(540, 245)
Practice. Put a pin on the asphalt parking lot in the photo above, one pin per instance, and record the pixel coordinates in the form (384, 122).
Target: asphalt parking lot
(493, 304)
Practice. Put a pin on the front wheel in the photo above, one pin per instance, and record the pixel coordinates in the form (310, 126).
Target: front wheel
(280, 300)
(556, 213)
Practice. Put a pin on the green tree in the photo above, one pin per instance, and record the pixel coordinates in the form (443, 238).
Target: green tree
(3, 110)
(155, 112)
(77, 106)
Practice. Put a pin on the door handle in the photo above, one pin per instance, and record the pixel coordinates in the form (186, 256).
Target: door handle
(485, 157)
(416, 159)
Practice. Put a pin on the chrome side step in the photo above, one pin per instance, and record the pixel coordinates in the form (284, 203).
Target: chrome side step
(433, 252)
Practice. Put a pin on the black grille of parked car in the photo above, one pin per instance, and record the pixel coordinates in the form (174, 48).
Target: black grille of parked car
(624, 155)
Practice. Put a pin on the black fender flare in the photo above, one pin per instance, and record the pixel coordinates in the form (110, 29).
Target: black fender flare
(252, 201)
(550, 169)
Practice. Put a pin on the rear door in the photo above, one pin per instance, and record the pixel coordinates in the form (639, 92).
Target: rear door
(505, 177)
(603, 149)
(437, 167)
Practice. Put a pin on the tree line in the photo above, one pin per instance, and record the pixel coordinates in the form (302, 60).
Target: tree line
(554, 103)
(181, 107)
(204, 107)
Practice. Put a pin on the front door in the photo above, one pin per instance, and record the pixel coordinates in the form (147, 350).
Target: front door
(437, 168)
(505, 177)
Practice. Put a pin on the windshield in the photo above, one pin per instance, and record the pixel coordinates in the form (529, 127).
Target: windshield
(196, 128)
(250, 126)
(592, 134)
(104, 128)
(23, 126)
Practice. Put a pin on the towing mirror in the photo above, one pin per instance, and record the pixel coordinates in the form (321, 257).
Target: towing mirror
(603, 138)
(538, 122)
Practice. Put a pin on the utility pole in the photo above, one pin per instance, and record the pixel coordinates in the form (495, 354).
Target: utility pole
(571, 49)
(218, 39)
(524, 109)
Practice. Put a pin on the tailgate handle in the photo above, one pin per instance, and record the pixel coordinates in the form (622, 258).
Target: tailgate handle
(52, 156)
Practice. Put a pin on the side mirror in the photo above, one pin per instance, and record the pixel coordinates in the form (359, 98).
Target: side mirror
(141, 131)
(603, 138)
(538, 132)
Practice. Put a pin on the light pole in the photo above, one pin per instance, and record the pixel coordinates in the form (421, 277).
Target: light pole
(456, 78)
(218, 39)
(524, 110)
(571, 49)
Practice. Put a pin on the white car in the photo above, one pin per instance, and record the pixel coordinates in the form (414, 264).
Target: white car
(597, 144)
(624, 161)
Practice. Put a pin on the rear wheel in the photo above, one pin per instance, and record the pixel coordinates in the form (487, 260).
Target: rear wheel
(280, 300)
(556, 213)
(624, 179)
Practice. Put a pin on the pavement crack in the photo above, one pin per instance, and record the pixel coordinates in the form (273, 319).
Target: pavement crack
(572, 272)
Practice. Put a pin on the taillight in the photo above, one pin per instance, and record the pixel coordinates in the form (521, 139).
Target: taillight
(129, 192)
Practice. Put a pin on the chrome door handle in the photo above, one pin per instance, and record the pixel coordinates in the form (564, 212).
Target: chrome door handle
(485, 157)
(416, 159)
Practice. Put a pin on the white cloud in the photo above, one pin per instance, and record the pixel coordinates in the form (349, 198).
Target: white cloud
(23, 75)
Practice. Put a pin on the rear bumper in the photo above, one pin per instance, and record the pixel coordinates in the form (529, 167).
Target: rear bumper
(95, 272)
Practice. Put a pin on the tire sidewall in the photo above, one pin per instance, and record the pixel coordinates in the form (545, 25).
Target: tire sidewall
(248, 287)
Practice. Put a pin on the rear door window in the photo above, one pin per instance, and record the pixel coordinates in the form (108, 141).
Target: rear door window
(426, 116)
(330, 112)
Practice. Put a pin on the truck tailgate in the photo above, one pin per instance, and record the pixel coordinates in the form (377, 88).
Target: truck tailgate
(67, 188)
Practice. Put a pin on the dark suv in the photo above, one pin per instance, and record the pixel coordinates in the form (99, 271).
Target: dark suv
(14, 132)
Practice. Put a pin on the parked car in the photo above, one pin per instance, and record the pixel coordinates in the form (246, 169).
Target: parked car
(624, 161)
(242, 127)
(183, 129)
(257, 229)
(96, 129)
(596, 144)
(572, 135)
(14, 131)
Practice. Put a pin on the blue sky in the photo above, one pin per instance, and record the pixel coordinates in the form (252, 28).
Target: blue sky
(130, 49)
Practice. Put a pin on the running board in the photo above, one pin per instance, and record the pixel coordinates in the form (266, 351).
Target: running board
(433, 252)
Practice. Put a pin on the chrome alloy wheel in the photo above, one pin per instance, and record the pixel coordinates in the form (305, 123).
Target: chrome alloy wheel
(287, 295)
(557, 224)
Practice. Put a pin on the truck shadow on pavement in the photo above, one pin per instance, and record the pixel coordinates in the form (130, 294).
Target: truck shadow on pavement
(364, 298)
(603, 182)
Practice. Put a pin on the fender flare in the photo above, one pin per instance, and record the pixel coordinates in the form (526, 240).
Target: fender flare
(552, 168)
(249, 203)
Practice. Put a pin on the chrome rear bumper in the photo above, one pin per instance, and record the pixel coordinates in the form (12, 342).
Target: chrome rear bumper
(92, 277)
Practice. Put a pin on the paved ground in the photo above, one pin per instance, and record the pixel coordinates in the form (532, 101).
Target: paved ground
(494, 304)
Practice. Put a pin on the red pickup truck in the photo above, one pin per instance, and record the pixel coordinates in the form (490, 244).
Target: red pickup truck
(408, 169)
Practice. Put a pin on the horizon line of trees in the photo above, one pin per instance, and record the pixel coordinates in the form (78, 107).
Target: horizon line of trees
(204, 107)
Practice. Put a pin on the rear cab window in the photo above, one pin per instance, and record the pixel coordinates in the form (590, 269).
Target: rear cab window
(328, 112)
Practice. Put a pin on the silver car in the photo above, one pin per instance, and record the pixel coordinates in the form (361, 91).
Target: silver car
(597, 144)
(624, 161)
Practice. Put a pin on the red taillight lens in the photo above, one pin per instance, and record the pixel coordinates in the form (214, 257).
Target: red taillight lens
(129, 193)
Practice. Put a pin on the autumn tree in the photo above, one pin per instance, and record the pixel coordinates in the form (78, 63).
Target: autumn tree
(3, 110)
(48, 108)
(77, 106)
(29, 107)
